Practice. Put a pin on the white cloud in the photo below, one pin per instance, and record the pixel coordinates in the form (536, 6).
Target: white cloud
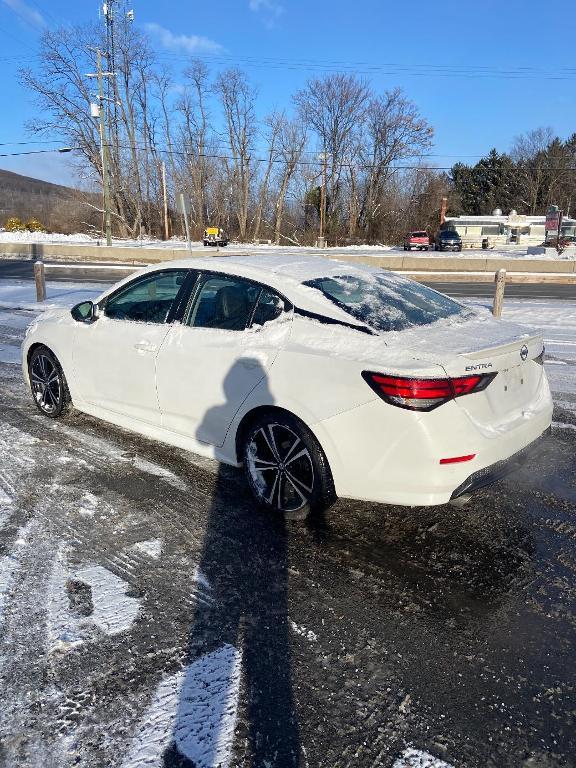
(270, 9)
(27, 14)
(183, 43)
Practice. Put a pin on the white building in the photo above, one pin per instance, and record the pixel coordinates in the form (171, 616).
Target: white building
(503, 230)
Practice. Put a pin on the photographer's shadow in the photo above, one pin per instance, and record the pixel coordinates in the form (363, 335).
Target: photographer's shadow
(239, 638)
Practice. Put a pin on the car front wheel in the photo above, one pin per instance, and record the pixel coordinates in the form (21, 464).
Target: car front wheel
(48, 383)
(285, 467)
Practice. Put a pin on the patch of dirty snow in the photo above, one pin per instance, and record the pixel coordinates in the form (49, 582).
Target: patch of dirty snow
(10, 354)
(155, 469)
(415, 758)
(80, 602)
(114, 611)
(303, 632)
(5, 500)
(10, 565)
(563, 425)
(195, 710)
(88, 504)
(151, 547)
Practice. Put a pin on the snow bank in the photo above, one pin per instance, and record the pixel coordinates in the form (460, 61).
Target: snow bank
(44, 237)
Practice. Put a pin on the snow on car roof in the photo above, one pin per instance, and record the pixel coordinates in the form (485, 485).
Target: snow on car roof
(282, 272)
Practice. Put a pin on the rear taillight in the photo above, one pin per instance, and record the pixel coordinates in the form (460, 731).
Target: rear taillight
(424, 394)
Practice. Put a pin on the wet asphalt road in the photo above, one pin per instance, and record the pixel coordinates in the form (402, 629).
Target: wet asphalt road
(372, 629)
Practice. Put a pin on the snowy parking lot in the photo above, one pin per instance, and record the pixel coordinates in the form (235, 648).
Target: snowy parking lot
(149, 617)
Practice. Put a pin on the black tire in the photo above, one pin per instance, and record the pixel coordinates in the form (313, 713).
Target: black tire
(285, 467)
(48, 383)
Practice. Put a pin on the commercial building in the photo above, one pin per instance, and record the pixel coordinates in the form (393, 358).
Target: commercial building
(503, 230)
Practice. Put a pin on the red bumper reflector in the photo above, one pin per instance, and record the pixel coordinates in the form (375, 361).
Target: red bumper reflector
(457, 459)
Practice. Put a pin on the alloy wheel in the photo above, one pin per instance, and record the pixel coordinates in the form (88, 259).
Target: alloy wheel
(280, 467)
(46, 383)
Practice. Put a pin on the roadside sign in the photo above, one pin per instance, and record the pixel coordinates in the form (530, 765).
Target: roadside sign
(553, 219)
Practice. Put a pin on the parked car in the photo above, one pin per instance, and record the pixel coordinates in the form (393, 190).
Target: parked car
(419, 240)
(447, 240)
(215, 236)
(319, 378)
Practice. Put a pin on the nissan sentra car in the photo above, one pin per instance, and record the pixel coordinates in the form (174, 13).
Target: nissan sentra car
(319, 378)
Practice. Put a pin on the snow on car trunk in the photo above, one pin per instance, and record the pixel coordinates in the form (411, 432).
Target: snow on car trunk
(507, 357)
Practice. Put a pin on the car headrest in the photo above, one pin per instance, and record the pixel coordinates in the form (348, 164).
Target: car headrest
(231, 301)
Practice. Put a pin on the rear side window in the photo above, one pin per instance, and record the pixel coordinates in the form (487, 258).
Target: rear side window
(223, 302)
(148, 299)
(387, 303)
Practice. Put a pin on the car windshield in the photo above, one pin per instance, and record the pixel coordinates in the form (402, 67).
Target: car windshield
(387, 303)
(450, 234)
(419, 234)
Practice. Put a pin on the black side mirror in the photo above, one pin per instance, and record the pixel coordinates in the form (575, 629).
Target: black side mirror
(85, 312)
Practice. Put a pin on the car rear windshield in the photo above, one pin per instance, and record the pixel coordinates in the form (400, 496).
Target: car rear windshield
(387, 303)
(419, 234)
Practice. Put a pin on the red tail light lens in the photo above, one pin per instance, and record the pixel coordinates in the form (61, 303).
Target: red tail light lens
(424, 394)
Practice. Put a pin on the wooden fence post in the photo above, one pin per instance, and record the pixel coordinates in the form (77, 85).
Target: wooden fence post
(40, 278)
(500, 280)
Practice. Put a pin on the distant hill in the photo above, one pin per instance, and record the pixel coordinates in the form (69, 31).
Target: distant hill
(58, 208)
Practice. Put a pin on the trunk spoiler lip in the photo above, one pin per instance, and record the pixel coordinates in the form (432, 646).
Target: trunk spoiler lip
(505, 348)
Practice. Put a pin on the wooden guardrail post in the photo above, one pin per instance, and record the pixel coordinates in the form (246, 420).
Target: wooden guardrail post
(40, 278)
(500, 280)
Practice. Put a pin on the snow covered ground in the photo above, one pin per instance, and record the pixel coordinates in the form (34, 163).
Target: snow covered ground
(509, 251)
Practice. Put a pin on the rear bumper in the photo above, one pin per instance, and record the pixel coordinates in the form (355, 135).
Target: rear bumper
(495, 472)
(384, 454)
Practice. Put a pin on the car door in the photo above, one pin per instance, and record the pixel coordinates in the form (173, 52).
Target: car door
(226, 343)
(114, 357)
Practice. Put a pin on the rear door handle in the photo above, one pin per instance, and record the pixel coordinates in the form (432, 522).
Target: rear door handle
(145, 346)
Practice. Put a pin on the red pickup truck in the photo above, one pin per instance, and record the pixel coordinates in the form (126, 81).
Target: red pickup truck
(419, 240)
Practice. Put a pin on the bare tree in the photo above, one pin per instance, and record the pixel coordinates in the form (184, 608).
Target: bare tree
(393, 130)
(291, 140)
(530, 151)
(238, 103)
(273, 124)
(334, 108)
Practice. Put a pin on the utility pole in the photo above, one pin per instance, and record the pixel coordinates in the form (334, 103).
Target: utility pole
(166, 228)
(103, 143)
(322, 202)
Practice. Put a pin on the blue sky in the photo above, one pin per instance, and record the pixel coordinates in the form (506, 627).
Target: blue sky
(434, 51)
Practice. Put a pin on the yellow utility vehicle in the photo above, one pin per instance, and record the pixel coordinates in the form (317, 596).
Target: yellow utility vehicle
(215, 236)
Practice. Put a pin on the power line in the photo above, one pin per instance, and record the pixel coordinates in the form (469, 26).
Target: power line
(212, 156)
(414, 69)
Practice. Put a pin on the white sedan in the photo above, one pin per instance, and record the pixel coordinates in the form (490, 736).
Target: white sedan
(320, 378)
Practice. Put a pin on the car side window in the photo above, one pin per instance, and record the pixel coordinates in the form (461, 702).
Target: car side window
(223, 302)
(270, 307)
(148, 299)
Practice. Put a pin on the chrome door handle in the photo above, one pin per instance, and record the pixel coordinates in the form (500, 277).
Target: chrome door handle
(145, 346)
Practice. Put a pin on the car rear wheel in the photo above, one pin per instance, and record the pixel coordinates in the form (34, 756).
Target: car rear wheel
(285, 467)
(48, 383)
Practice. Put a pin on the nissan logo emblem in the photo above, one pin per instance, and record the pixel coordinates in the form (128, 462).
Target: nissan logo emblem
(524, 352)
